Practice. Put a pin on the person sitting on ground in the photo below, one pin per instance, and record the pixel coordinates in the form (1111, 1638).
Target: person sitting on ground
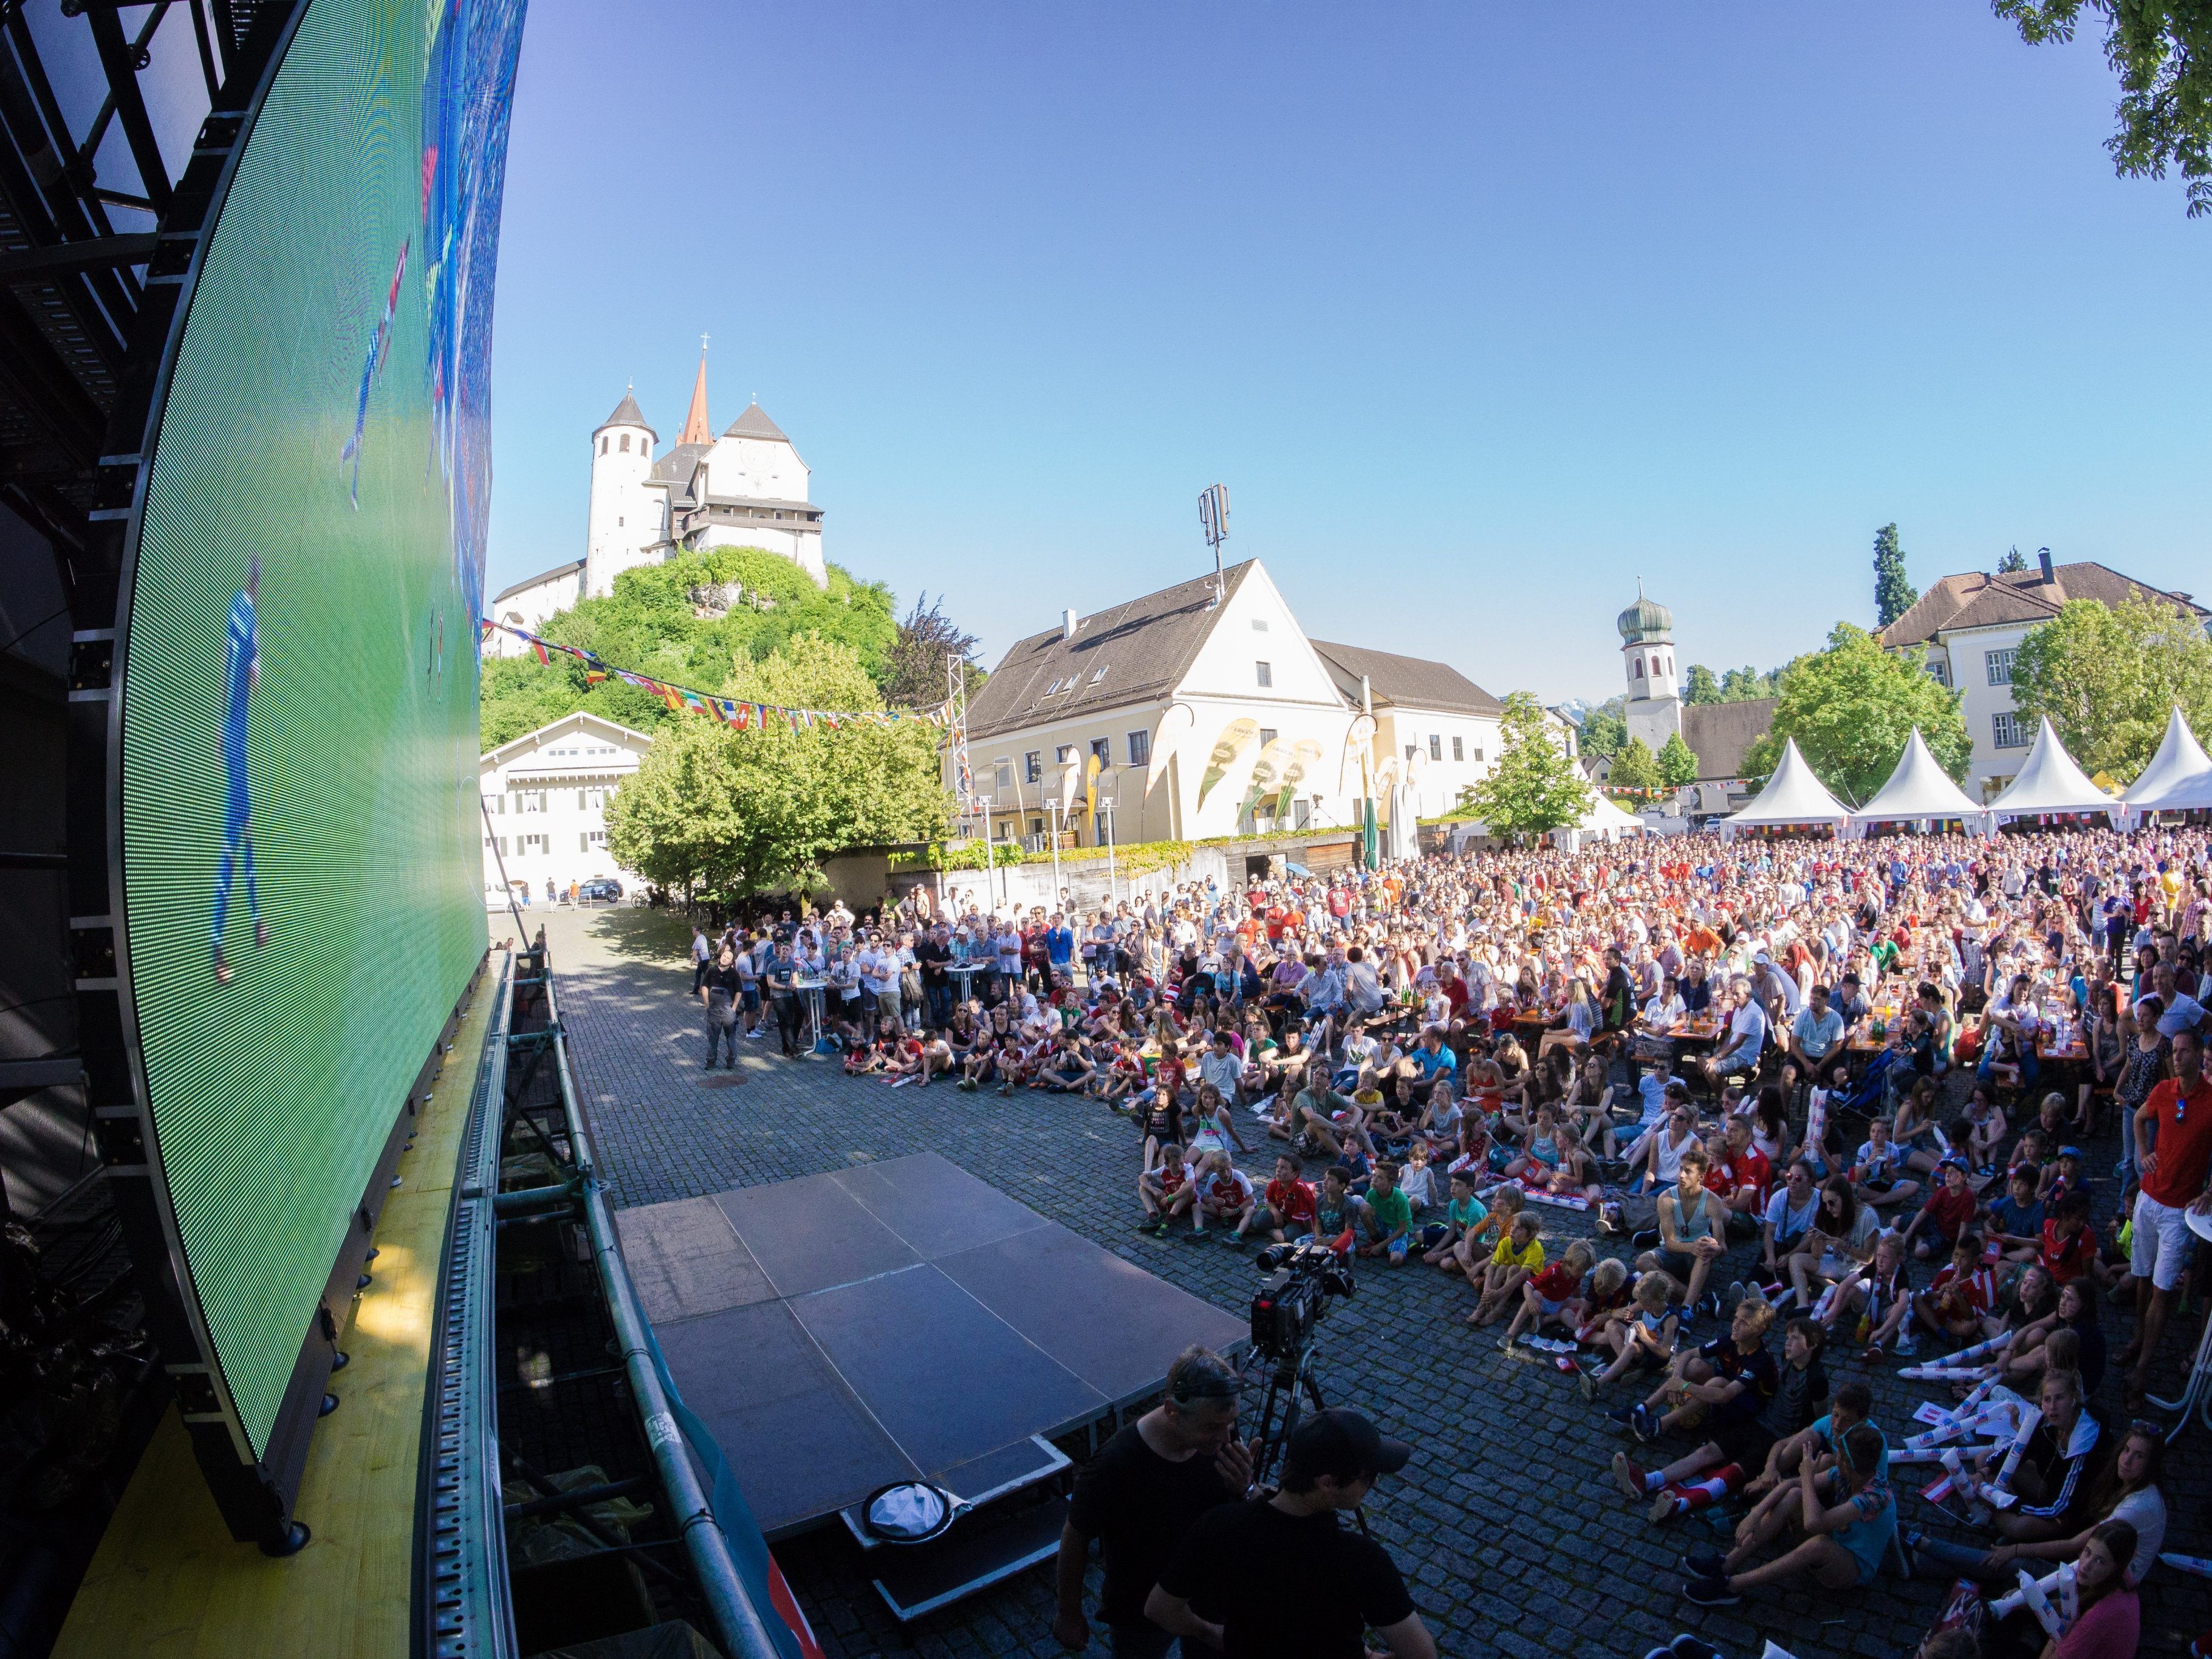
(1070, 1067)
(1445, 1243)
(1656, 1156)
(2125, 1488)
(1947, 1213)
(1387, 1219)
(1336, 1210)
(1873, 1301)
(2069, 1248)
(1644, 1339)
(1875, 1169)
(1792, 1214)
(1286, 1209)
(2048, 1478)
(1330, 1120)
(1733, 1372)
(1517, 1257)
(1840, 1547)
(1547, 1151)
(1165, 1190)
(1742, 1432)
(2068, 1339)
(1605, 1299)
(1854, 1403)
(1690, 1234)
(1214, 1125)
(1843, 1238)
(1740, 1178)
(1553, 1295)
(1961, 1296)
(2016, 1223)
(1224, 1195)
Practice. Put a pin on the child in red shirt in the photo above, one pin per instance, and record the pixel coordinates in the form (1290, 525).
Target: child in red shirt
(2069, 1242)
(1946, 1214)
(1958, 1298)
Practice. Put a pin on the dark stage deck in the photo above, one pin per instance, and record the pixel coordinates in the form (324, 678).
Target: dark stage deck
(894, 1320)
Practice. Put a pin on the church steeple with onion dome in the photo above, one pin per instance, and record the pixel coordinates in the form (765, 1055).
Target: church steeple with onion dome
(1654, 708)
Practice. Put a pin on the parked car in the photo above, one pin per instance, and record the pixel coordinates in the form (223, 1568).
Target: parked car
(604, 889)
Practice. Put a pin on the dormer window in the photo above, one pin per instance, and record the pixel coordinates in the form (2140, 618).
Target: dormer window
(1101, 674)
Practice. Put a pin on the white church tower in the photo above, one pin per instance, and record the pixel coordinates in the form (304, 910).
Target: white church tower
(625, 516)
(1654, 710)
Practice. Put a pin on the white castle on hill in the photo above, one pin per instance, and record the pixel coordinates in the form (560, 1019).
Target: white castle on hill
(745, 488)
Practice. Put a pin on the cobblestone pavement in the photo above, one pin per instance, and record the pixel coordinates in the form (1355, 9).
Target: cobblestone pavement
(1510, 1533)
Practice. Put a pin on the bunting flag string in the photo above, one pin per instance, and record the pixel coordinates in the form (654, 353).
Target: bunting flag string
(682, 699)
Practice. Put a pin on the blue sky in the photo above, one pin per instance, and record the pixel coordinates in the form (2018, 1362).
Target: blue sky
(1480, 312)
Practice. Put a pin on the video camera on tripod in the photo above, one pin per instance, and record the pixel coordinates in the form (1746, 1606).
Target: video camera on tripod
(1301, 1279)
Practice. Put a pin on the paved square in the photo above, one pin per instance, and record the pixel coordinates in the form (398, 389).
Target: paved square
(1507, 1525)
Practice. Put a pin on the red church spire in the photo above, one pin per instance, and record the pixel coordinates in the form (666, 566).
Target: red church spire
(696, 428)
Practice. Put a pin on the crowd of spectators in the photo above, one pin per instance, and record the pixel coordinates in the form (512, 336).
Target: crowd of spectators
(1697, 1123)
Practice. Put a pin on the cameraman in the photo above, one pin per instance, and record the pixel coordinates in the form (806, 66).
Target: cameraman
(1140, 1495)
(1286, 1576)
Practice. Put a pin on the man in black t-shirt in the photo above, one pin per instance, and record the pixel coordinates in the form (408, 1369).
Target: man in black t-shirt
(1282, 1574)
(932, 950)
(1140, 1494)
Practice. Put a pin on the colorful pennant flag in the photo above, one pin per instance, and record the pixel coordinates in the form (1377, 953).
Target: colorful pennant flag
(745, 716)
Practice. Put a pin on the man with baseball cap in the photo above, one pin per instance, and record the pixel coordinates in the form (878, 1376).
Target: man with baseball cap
(1280, 1574)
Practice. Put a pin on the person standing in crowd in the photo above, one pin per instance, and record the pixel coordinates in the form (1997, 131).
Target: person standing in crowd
(718, 992)
(2173, 1140)
(1283, 1573)
(783, 996)
(1140, 1495)
(701, 954)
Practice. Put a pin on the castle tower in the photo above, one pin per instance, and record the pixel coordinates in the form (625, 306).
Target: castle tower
(1653, 711)
(624, 518)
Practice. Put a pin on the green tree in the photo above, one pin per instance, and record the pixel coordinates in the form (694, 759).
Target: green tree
(1703, 685)
(2109, 679)
(728, 813)
(2162, 52)
(1635, 769)
(1851, 706)
(2013, 563)
(1604, 731)
(1678, 763)
(1893, 594)
(687, 620)
(1536, 786)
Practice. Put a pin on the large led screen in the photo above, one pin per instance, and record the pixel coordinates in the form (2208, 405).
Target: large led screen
(299, 831)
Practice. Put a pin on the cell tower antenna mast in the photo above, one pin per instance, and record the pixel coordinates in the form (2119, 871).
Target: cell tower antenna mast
(1213, 515)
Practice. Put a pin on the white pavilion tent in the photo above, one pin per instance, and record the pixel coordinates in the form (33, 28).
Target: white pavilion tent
(1919, 791)
(1793, 799)
(1603, 822)
(2179, 777)
(2050, 783)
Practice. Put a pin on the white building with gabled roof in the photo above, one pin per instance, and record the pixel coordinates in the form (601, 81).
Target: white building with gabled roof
(546, 794)
(1211, 719)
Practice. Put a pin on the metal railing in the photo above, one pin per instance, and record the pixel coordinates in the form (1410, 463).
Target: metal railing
(741, 1625)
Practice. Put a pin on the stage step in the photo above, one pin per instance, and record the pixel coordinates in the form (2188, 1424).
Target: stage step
(982, 1549)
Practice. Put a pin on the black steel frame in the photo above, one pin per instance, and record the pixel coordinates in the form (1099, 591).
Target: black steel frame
(86, 348)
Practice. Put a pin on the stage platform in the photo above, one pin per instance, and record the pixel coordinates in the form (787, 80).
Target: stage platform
(896, 1321)
(169, 1581)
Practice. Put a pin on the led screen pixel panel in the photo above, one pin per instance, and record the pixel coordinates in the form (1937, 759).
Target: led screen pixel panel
(301, 844)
